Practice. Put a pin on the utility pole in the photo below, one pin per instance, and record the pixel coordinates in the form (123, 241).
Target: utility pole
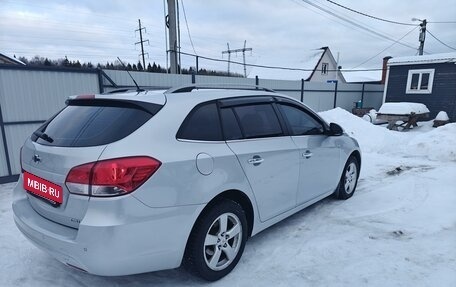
(243, 58)
(243, 50)
(141, 41)
(422, 36)
(172, 32)
(228, 51)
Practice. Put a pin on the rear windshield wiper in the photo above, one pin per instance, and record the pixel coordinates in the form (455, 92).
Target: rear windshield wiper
(43, 136)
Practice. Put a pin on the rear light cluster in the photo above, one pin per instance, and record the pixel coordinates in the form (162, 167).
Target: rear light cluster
(111, 177)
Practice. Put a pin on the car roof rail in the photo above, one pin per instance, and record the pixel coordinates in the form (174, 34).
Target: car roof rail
(189, 88)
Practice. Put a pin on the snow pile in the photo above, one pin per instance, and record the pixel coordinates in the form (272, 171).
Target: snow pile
(403, 108)
(371, 138)
(442, 116)
(434, 144)
(438, 144)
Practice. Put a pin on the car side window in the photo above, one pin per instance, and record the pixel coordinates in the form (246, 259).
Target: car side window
(202, 123)
(231, 128)
(259, 120)
(300, 122)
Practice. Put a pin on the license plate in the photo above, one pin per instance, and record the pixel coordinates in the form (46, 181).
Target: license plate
(43, 188)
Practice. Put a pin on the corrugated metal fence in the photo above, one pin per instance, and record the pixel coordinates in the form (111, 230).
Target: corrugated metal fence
(29, 96)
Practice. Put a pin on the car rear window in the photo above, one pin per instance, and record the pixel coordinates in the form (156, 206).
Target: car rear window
(85, 123)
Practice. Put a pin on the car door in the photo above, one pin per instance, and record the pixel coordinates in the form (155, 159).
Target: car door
(269, 158)
(319, 153)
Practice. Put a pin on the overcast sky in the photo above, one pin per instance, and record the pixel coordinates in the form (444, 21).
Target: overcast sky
(281, 32)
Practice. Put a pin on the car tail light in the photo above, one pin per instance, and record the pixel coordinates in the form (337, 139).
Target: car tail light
(111, 177)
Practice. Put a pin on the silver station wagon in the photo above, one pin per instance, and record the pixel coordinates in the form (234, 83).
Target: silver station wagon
(137, 181)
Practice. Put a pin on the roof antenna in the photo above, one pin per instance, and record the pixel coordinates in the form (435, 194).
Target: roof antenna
(138, 89)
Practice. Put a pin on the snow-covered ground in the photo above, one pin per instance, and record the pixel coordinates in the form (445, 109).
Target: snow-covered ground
(399, 229)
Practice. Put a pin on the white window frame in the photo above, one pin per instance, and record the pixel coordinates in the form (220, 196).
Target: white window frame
(323, 70)
(420, 73)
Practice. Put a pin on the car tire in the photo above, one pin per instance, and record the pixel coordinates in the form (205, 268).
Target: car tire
(217, 241)
(349, 179)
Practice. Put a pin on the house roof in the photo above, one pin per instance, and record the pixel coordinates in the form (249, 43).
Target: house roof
(11, 60)
(309, 61)
(423, 59)
(363, 76)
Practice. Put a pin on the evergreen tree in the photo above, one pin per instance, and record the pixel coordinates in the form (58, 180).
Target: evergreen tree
(24, 60)
(66, 62)
(47, 62)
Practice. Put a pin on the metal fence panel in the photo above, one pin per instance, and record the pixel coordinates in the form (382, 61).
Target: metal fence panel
(224, 80)
(289, 88)
(326, 102)
(373, 96)
(15, 137)
(27, 95)
(280, 85)
(147, 80)
(3, 166)
(319, 96)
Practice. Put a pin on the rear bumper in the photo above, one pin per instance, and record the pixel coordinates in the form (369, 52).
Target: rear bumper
(112, 241)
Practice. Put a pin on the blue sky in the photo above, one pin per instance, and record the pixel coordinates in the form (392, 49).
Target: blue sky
(280, 32)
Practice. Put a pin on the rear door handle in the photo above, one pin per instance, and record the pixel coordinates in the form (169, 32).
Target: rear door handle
(255, 160)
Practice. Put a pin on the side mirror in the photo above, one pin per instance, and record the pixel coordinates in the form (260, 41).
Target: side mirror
(335, 129)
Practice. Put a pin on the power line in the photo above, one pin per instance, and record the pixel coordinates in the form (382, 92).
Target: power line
(188, 30)
(357, 25)
(336, 20)
(443, 22)
(275, 67)
(344, 23)
(440, 41)
(370, 16)
(364, 62)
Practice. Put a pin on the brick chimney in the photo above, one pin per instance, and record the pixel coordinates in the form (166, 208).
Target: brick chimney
(384, 68)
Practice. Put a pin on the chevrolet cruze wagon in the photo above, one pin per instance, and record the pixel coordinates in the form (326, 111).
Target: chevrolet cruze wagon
(137, 181)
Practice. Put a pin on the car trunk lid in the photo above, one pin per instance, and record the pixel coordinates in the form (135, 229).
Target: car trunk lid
(52, 164)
